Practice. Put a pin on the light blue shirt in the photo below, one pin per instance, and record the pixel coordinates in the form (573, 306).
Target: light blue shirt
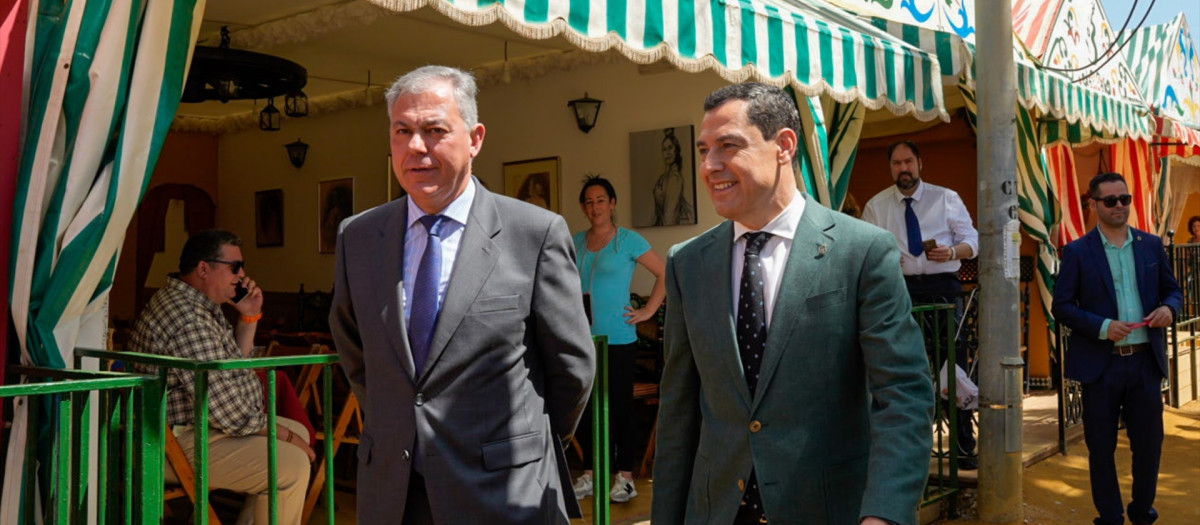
(606, 275)
(417, 237)
(1129, 301)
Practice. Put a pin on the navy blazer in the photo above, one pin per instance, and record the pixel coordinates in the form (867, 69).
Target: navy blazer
(1084, 297)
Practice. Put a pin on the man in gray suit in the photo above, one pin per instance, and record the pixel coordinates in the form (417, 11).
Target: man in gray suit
(802, 395)
(459, 321)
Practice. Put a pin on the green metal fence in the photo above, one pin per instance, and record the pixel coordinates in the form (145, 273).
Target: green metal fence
(938, 325)
(600, 445)
(67, 396)
(154, 421)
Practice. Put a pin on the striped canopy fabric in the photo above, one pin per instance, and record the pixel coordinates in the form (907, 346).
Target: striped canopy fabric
(808, 45)
(104, 81)
(1050, 93)
(1165, 63)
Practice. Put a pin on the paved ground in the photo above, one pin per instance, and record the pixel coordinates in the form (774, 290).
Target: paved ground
(1056, 490)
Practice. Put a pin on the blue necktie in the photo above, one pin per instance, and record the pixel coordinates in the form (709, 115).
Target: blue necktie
(752, 342)
(422, 319)
(914, 229)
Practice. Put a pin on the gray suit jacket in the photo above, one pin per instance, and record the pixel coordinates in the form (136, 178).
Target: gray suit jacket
(840, 425)
(508, 373)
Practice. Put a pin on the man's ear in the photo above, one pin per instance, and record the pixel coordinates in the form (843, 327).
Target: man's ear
(786, 141)
(477, 133)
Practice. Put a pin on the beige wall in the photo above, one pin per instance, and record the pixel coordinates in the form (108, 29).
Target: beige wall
(524, 120)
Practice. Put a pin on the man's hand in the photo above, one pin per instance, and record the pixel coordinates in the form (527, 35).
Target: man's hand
(939, 254)
(1118, 330)
(312, 456)
(1159, 318)
(252, 304)
(872, 520)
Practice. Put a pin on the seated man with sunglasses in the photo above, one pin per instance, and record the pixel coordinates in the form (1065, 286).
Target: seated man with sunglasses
(1116, 292)
(184, 319)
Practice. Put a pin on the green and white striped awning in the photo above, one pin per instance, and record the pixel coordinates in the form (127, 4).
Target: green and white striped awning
(813, 47)
(1164, 62)
(1052, 94)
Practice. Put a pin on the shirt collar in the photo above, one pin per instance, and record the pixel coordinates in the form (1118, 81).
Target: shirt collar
(916, 196)
(783, 225)
(177, 285)
(1104, 239)
(458, 210)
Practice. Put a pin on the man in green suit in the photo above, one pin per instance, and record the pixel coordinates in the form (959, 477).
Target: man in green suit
(802, 395)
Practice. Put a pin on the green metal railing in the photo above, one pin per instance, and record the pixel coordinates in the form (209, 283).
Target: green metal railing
(938, 327)
(154, 422)
(600, 445)
(121, 397)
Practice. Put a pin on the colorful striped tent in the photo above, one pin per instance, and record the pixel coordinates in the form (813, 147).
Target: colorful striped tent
(815, 49)
(103, 82)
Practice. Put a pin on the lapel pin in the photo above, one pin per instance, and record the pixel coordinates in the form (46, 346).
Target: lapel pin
(822, 249)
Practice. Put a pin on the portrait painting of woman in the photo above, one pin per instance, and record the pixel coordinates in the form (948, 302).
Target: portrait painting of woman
(663, 173)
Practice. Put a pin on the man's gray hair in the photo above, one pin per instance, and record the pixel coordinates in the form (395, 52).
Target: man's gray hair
(423, 79)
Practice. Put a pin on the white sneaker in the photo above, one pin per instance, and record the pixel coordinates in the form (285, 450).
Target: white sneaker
(583, 486)
(622, 489)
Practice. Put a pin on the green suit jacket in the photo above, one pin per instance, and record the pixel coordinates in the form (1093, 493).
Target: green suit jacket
(840, 426)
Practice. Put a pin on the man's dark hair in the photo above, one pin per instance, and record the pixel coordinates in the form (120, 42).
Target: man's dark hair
(204, 245)
(1094, 186)
(1191, 221)
(769, 108)
(911, 145)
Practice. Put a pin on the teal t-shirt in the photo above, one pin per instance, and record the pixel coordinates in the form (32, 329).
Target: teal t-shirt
(606, 275)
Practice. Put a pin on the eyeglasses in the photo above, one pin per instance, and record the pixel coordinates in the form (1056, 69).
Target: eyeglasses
(234, 266)
(1112, 200)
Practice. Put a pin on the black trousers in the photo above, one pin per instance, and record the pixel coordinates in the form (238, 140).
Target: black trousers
(621, 425)
(416, 505)
(943, 288)
(1129, 389)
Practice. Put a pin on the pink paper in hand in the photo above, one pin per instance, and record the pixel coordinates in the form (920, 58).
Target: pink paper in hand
(1142, 324)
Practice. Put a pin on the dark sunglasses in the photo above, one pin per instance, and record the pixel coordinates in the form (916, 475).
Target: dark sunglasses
(234, 266)
(1112, 200)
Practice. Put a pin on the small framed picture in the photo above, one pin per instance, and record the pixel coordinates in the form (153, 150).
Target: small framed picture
(268, 218)
(335, 202)
(663, 173)
(534, 181)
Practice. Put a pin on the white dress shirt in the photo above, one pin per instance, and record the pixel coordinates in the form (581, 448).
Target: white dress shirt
(943, 218)
(774, 254)
(417, 237)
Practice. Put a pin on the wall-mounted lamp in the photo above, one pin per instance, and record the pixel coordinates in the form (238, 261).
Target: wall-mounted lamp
(297, 151)
(295, 104)
(268, 118)
(587, 110)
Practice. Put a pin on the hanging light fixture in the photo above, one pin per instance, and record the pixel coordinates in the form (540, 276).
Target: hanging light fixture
(268, 118)
(295, 104)
(297, 151)
(586, 110)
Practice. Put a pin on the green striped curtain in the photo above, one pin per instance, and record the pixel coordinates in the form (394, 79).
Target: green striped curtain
(105, 79)
(1038, 207)
(826, 152)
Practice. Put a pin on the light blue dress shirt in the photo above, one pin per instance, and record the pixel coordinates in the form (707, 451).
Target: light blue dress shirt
(416, 237)
(1129, 301)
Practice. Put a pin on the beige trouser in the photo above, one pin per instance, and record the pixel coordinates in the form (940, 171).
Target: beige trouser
(240, 464)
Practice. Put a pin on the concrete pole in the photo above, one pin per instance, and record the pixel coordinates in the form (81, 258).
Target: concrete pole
(999, 321)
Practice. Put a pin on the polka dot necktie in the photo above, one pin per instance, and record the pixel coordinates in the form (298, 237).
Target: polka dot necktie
(752, 341)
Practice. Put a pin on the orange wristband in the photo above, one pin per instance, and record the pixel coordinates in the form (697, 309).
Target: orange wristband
(251, 318)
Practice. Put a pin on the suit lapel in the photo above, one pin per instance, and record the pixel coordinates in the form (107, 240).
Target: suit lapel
(1096, 247)
(715, 271)
(807, 261)
(1141, 257)
(477, 255)
(390, 262)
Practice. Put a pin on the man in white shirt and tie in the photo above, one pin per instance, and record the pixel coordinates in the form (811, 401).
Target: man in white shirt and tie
(934, 232)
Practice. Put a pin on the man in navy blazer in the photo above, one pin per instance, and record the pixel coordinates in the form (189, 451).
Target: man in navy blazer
(1116, 292)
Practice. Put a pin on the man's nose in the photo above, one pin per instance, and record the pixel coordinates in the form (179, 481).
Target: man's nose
(417, 143)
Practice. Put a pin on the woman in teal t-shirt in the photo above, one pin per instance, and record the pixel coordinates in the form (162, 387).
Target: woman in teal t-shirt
(607, 256)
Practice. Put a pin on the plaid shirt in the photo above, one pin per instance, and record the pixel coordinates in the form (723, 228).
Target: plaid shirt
(181, 321)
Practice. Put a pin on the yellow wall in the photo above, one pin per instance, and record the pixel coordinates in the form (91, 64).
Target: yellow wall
(524, 120)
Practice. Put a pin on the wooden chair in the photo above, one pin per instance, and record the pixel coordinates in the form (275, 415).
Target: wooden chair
(186, 476)
(350, 415)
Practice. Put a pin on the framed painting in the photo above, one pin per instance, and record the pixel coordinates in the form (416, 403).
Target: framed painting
(335, 202)
(534, 181)
(663, 174)
(268, 218)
